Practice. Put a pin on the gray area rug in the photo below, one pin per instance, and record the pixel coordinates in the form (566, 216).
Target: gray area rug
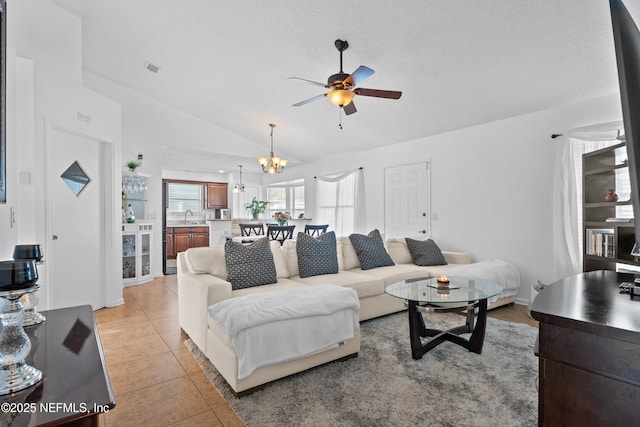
(384, 386)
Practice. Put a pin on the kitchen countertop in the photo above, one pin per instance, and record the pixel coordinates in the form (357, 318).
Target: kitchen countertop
(201, 224)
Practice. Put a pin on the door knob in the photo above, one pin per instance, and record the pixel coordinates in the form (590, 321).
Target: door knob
(423, 231)
(55, 237)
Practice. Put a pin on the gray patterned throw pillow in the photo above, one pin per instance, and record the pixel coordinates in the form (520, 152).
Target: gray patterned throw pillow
(370, 250)
(317, 255)
(249, 265)
(425, 252)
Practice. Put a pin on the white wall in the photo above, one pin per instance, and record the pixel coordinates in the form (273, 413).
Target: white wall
(40, 31)
(491, 185)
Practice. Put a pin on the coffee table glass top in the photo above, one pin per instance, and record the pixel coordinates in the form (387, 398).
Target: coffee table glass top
(427, 290)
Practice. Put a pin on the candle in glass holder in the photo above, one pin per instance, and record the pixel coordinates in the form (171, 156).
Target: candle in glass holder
(442, 280)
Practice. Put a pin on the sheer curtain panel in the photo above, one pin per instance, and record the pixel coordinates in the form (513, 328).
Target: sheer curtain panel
(567, 192)
(340, 202)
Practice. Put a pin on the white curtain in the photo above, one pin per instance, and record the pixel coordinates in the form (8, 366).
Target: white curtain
(567, 192)
(340, 202)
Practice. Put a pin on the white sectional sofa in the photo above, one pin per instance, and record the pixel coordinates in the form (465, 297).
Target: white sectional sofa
(202, 275)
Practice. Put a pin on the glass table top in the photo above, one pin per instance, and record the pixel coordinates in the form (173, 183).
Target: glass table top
(427, 290)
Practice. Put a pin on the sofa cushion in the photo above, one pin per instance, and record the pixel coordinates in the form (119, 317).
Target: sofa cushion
(347, 256)
(397, 273)
(425, 252)
(250, 265)
(282, 270)
(290, 256)
(207, 260)
(398, 250)
(317, 255)
(370, 250)
(365, 285)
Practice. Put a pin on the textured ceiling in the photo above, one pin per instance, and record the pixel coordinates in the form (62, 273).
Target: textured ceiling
(458, 63)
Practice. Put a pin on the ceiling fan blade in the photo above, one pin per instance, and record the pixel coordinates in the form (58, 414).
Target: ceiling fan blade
(306, 101)
(309, 82)
(350, 108)
(358, 76)
(390, 94)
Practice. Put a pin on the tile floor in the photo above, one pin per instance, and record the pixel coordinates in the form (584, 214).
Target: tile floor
(155, 379)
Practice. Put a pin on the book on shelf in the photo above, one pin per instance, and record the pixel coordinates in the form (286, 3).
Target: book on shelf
(619, 220)
(600, 242)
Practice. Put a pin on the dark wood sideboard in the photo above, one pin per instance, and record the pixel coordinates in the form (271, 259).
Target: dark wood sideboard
(589, 351)
(75, 387)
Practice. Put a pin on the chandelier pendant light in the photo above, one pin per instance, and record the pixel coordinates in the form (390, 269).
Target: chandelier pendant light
(239, 187)
(272, 164)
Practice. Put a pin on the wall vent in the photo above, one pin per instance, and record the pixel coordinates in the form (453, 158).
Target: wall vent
(151, 67)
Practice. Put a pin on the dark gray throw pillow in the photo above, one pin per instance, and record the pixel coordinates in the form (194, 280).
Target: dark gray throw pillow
(425, 252)
(249, 265)
(317, 255)
(370, 250)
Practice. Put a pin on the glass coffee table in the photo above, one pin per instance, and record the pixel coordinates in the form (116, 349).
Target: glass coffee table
(459, 294)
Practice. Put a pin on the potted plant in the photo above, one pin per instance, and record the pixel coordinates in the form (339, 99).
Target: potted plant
(256, 207)
(133, 165)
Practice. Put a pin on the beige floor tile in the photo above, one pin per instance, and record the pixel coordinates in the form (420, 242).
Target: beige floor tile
(128, 310)
(174, 339)
(141, 373)
(166, 324)
(172, 284)
(207, 419)
(186, 360)
(222, 410)
(158, 405)
(127, 347)
(156, 311)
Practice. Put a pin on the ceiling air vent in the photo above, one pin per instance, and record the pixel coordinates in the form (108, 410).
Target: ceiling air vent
(151, 67)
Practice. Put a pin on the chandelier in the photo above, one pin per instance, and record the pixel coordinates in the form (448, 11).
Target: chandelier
(273, 164)
(239, 187)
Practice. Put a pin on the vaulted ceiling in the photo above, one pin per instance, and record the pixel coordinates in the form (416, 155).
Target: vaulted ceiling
(458, 63)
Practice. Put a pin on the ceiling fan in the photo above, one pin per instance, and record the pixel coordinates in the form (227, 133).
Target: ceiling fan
(344, 87)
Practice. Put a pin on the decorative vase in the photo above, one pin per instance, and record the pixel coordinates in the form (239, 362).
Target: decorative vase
(282, 221)
(255, 215)
(611, 197)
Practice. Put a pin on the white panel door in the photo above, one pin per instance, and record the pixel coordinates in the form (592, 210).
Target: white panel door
(406, 200)
(76, 226)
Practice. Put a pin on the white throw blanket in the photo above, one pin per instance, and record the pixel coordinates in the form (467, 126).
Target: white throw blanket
(501, 272)
(274, 327)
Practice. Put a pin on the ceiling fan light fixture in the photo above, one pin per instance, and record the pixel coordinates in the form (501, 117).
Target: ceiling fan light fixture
(272, 164)
(340, 97)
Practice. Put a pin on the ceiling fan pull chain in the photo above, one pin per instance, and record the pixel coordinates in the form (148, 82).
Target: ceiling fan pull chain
(340, 118)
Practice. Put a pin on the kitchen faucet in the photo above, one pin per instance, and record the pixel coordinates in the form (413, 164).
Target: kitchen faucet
(185, 215)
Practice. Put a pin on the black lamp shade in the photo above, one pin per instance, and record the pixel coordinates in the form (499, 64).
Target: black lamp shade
(28, 252)
(17, 274)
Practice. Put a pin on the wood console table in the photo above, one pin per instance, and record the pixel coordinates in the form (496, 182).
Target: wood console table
(75, 388)
(589, 351)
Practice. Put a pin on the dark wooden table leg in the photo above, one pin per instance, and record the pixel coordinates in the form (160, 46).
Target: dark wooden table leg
(418, 329)
(477, 337)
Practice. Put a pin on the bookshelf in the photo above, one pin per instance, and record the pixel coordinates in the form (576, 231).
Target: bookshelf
(608, 233)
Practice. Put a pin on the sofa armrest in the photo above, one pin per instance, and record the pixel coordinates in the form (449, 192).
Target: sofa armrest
(196, 292)
(457, 257)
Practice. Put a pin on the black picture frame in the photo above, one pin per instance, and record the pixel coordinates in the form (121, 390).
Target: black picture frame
(3, 101)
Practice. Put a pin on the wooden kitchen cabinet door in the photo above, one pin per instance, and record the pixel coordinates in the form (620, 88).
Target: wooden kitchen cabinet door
(217, 195)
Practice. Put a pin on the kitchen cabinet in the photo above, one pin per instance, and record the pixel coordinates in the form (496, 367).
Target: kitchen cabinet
(179, 239)
(136, 253)
(217, 195)
(171, 248)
